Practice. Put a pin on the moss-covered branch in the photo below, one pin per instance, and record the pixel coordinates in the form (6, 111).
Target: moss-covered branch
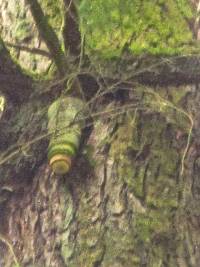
(49, 36)
(152, 70)
(71, 33)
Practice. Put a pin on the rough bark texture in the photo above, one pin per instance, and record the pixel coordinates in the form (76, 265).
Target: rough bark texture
(132, 195)
(126, 205)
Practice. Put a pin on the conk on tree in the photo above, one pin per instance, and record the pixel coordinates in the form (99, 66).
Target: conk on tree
(65, 122)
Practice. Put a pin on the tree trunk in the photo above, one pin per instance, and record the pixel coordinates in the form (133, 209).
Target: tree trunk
(130, 199)
(131, 196)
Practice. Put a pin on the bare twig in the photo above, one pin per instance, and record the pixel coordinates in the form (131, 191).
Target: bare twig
(32, 50)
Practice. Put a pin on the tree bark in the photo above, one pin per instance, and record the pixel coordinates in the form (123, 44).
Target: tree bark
(129, 204)
(132, 195)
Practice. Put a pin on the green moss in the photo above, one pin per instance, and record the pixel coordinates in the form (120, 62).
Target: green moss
(123, 139)
(135, 183)
(147, 158)
(154, 27)
(170, 110)
(167, 161)
(156, 222)
(120, 247)
(22, 30)
(150, 176)
(158, 197)
(90, 248)
(144, 228)
(127, 139)
(91, 258)
(66, 249)
(66, 203)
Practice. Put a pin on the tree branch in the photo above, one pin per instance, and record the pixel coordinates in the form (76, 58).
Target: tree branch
(14, 84)
(32, 50)
(71, 33)
(49, 37)
(152, 70)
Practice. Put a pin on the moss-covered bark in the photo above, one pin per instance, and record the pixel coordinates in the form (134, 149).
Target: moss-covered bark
(130, 207)
(132, 195)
